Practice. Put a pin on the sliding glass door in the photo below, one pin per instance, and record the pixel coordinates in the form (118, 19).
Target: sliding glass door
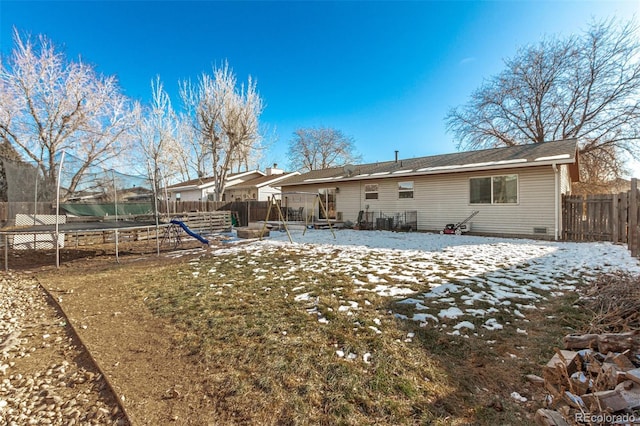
(328, 198)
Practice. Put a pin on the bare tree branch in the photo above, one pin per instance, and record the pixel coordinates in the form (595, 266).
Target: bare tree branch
(585, 87)
(320, 148)
(225, 117)
(49, 104)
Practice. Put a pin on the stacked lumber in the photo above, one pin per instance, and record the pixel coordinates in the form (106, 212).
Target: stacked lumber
(595, 379)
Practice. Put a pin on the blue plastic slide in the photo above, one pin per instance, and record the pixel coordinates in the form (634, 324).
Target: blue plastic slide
(190, 232)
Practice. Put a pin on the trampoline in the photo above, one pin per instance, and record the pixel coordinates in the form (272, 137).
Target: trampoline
(35, 237)
(81, 227)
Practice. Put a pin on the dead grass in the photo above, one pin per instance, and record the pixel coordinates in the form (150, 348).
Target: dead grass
(269, 360)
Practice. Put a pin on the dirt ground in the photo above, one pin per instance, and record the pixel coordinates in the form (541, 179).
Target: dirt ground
(118, 330)
(157, 381)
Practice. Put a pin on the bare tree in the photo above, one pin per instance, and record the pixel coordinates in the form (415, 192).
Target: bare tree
(158, 137)
(248, 157)
(320, 148)
(196, 161)
(585, 87)
(49, 104)
(225, 117)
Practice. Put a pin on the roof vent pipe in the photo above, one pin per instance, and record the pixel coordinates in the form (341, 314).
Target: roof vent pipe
(397, 155)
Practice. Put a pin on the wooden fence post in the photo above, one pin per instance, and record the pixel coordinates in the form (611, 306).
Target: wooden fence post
(634, 232)
(624, 220)
(566, 219)
(615, 224)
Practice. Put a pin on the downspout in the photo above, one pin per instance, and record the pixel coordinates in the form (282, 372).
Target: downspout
(556, 194)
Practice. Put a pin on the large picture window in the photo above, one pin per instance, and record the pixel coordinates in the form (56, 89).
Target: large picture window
(494, 190)
(371, 191)
(405, 189)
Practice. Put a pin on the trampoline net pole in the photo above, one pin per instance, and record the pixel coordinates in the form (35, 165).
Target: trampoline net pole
(58, 211)
(155, 207)
(115, 204)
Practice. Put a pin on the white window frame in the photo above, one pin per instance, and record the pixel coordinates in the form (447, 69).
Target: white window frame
(492, 194)
(402, 190)
(370, 191)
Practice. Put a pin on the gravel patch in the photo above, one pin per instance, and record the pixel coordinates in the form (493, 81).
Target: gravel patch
(46, 375)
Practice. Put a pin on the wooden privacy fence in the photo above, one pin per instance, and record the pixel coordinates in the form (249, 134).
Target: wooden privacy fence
(603, 217)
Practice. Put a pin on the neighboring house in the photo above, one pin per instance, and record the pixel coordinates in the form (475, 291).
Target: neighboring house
(251, 185)
(136, 194)
(202, 189)
(261, 188)
(517, 190)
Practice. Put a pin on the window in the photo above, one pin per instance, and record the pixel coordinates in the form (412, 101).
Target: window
(494, 190)
(480, 190)
(405, 189)
(371, 191)
(505, 189)
(177, 196)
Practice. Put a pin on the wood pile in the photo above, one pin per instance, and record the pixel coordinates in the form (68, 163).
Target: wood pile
(595, 379)
(595, 375)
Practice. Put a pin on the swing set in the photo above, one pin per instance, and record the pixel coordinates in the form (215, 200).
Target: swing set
(284, 218)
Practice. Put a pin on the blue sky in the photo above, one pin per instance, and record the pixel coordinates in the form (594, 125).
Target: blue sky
(385, 73)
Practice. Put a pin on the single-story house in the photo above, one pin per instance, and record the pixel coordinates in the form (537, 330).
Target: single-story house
(250, 185)
(261, 188)
(516, 190)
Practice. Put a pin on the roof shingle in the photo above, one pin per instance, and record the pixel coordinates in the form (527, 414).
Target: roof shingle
(561, 152)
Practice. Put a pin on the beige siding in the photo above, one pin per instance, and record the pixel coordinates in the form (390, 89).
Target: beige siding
(242, 194)
(263, 193)
(348, 200)
(266, 192)
(188, 195)
(444, 198)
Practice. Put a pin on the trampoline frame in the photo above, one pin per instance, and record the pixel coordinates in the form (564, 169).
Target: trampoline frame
(80, 227)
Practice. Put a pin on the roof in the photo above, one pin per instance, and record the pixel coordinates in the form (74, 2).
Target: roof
(192, 183)
(545, 153)
(264, 180)
(208, 181)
